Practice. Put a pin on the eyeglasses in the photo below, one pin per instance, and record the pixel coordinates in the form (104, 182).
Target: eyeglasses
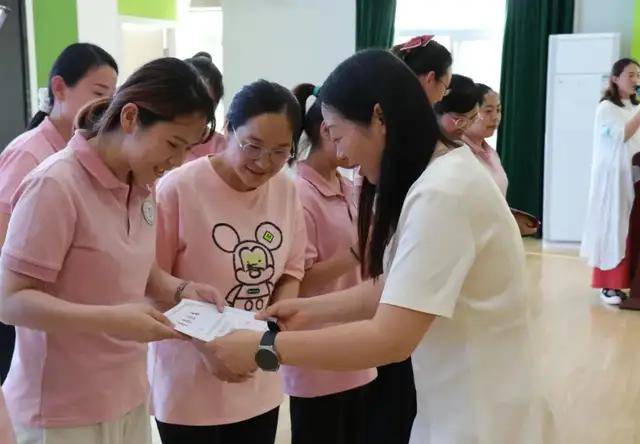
(255, 152)
(462, 122)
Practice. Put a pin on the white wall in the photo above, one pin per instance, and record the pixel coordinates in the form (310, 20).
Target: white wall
(200, 29)
(593, 16)
(31, 51)
(140, 44)
(286, 41)
(99, 23)
(132, 41)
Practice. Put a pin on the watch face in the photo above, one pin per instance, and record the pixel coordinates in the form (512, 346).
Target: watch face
(267, 360)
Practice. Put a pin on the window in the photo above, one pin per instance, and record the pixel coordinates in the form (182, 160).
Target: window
(472, 30)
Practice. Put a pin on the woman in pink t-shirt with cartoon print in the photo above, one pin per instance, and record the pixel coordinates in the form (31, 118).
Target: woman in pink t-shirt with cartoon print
(232, 220)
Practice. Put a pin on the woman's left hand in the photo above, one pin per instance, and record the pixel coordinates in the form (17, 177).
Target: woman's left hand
(237, 350)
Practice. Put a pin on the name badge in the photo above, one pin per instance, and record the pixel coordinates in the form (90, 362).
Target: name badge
(148, 212)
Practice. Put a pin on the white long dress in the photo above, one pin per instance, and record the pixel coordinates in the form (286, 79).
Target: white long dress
(611, 194)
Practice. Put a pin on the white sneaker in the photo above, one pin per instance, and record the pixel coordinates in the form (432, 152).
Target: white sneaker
(610, 297)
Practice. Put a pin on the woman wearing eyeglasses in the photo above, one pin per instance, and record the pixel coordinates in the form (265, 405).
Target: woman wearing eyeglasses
(234, 220)
(457, 111)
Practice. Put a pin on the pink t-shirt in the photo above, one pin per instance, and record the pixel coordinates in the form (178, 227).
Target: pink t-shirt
(491, 160)
(22, 155)
(213, 146)
(241, 243)
(331, 220)
(71, 229)
(6, 430)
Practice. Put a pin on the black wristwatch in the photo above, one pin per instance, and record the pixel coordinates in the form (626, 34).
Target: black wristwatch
(266, 356)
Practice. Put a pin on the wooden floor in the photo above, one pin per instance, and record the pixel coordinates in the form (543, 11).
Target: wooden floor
(589, 353)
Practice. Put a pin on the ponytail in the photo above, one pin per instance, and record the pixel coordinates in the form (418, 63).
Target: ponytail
(311, 119)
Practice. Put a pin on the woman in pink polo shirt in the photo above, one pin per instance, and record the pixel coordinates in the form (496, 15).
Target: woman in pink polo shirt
(326, 407)
(80, 257)
(232, 220)
(212, 77)
(81, 73)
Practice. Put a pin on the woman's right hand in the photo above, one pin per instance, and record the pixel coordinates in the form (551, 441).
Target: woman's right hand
(139, 322)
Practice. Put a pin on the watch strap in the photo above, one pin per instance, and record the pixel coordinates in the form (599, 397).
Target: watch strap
(268, 339)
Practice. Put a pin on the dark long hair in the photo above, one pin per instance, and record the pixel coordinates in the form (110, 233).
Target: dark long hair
(353, 89)
(311, 118)
(612, 93)
(162, 89)
(73, 63)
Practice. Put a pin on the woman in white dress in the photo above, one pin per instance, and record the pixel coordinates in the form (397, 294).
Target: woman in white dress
(448, 267)
(616, 141)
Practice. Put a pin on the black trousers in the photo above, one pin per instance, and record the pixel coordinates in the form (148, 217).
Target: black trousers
(333, 419)
(258, 430)
(391, 405)
(7, 343)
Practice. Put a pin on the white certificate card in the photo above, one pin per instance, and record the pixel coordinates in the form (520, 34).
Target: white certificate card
(203, 321)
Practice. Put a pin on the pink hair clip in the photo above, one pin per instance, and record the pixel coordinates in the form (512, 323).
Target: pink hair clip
(416, 42)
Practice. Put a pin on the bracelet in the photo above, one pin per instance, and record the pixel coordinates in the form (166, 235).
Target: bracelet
(179, 291)
(355, 254)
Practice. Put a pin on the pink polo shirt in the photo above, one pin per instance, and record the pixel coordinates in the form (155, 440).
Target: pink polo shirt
(22, 155)
(331, 220)
(72, 230)
(241, 243)
(491, 160)
(213, 146)
(6, 430)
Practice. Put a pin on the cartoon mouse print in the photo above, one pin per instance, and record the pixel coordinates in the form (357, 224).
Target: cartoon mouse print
(253, 263)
